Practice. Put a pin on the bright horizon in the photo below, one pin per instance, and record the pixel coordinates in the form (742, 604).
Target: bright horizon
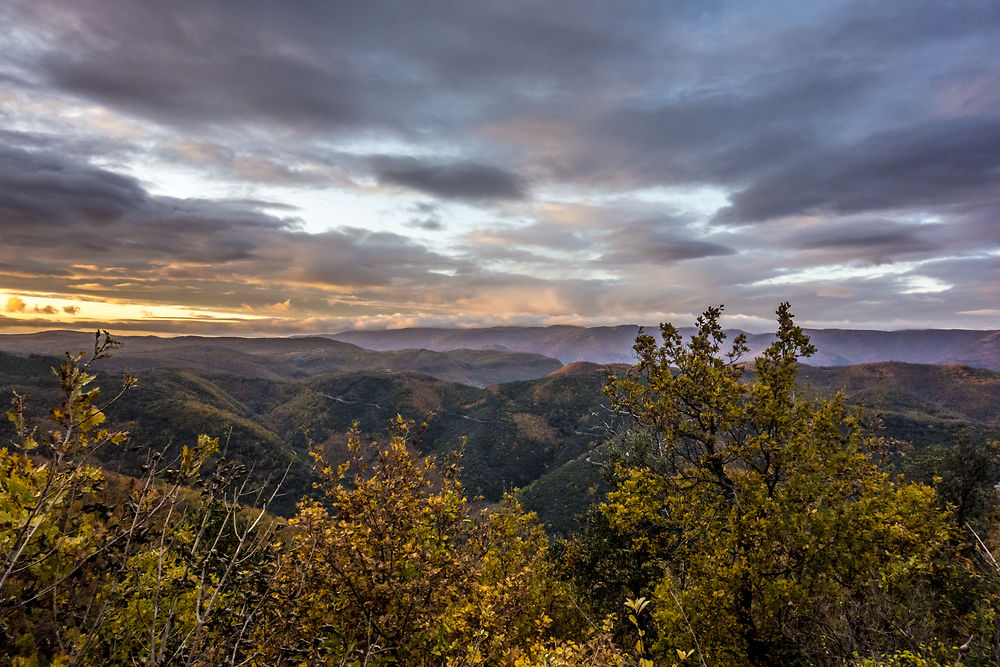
(227, 168)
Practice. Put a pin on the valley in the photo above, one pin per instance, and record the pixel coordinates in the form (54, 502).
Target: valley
(524, 421)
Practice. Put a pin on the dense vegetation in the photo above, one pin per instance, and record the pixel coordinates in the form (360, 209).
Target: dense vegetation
(746, 522)
(513, 432)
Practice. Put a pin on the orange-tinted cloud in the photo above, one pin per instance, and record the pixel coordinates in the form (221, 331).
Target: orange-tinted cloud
(279, 308)
(15, 304)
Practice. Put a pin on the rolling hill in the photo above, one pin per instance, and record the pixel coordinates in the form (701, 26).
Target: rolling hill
(267, 399)
(836, 347)
(512, 431)
(286, 358)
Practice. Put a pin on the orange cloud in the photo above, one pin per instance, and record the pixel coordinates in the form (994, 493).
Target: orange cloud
(71, 310)
(279, 308)
(15, 304)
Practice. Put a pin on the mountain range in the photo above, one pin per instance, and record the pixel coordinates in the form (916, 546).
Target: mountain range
(484, 357)
(835, 347)
(287, 358)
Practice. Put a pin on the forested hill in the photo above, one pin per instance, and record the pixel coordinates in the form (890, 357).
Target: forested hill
(835, 347)
(514, 430)
(287, 358)
(534, 433)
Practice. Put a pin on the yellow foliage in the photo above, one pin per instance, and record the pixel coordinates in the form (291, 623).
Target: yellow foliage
(394, 567)
(768, 511)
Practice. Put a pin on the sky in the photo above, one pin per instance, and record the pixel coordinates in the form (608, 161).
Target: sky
(274, 168)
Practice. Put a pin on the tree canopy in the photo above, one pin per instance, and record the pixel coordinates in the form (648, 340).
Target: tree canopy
(779, 533)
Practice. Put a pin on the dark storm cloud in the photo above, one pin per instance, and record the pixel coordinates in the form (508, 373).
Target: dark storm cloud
(321, 65)
(931, 164)
(982, 220)
(197, 64)
(53, 206)
(42, 189)
(466, 180)
(873, 239)
(649, 95)
(295, 91)
(720, 136)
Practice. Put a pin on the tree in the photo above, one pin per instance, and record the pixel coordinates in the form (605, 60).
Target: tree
(394, 567)
(781, 538)
(964, 473)
(100, 569)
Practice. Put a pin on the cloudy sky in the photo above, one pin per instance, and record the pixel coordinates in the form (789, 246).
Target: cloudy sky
(288, 167)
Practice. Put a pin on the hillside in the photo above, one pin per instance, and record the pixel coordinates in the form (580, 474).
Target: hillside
(531, 434)
(286, 358)
(566, 343)
(918, 404)
(515, 430)
(836, 347)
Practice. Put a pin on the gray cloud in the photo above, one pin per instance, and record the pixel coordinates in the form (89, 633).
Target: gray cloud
(926, 165)
(323, 66)
(296, 91)
(655, 242)
(721, 136)
(466, 180)
(540, 234)
(427, 224)
(427, 216)
(39, 189)
(874, 239)
(254, 164)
